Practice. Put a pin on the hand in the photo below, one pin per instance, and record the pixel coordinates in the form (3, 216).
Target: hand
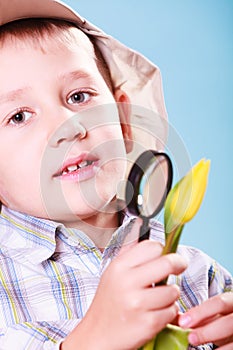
(126, 311)
(211, 321)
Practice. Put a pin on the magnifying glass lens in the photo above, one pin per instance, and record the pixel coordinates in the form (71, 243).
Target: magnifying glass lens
(153, 186)
(148, 184)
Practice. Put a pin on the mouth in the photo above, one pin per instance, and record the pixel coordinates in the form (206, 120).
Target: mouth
(77, 167)
(74, 168)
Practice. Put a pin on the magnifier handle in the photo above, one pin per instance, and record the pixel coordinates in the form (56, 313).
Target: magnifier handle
(144, 230)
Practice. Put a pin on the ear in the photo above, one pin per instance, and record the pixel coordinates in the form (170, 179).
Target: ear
(124, 108)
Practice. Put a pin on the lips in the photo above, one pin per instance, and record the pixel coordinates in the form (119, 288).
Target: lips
(71, 168)
(76, 165)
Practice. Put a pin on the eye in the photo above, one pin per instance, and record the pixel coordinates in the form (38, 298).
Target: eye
(20, 117)
(79, 97)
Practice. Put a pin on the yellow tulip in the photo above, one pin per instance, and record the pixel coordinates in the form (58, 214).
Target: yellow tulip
(182, 203)
(185, 198)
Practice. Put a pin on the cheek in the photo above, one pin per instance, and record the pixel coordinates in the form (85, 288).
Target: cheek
(109, 178)
(19, 179)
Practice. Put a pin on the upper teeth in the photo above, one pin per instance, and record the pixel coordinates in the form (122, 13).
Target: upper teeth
(83, 164)
(74, 167)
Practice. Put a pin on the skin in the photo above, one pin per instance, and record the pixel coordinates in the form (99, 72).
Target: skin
(211, 322)
(40, 91)
(130, 313)
(38, 133)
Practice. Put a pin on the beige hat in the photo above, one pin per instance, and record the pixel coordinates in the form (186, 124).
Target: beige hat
(131, 71)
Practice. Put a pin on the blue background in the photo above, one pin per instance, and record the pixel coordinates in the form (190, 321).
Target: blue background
(191, 42)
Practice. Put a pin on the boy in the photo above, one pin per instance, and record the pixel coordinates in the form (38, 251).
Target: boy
(67, 98)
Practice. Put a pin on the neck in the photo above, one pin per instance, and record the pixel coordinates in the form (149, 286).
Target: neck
(101, 226)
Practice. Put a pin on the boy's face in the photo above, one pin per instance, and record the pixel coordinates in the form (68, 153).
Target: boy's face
(42, 143)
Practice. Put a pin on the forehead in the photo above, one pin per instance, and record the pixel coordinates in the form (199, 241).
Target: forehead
(45, 35)
(34, 59)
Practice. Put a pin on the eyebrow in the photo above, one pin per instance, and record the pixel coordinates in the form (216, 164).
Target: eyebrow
(77, 74)
(14, 94)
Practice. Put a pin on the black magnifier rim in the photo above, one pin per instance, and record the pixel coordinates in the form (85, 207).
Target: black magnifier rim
(135, 176)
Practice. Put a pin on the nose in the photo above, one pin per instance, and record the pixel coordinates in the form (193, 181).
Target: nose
(68, 131)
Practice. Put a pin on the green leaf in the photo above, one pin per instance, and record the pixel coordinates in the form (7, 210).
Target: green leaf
(171, 338)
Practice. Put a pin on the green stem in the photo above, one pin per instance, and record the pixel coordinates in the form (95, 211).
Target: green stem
(172, 240)
(171, 243)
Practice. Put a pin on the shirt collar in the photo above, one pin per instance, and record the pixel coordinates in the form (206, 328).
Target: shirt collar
(26, 238)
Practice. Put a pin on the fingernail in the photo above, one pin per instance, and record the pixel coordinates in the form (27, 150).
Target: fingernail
(193, 339)
(185, 320)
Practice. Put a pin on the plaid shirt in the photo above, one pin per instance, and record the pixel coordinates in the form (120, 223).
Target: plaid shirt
(49, 275)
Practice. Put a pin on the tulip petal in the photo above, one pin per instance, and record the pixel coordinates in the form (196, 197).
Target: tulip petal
(185, 198)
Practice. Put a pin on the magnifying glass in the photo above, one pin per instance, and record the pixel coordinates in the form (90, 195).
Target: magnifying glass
(148, 184)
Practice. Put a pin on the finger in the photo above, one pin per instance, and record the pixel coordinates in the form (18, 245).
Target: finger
(160, 297)
(140, 253)
(153, 299)
(155, 321)
(218, 330)
(157, 270)
(219, 304)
